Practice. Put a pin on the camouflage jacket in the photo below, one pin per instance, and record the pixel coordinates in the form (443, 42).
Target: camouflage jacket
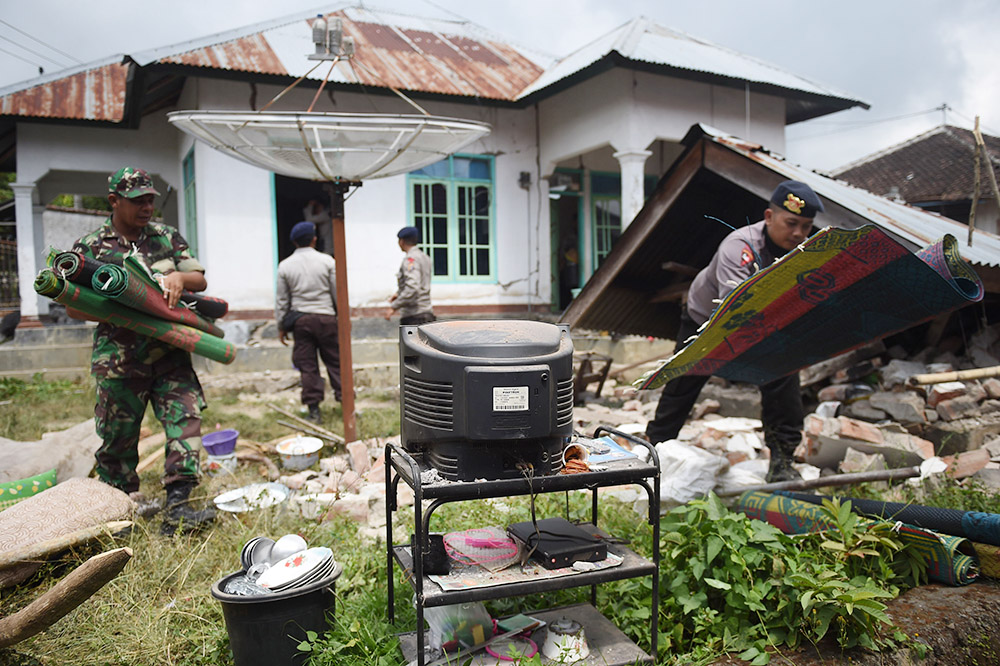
(119, 352)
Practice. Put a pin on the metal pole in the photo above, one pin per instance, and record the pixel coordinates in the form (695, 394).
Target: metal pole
(337, 190)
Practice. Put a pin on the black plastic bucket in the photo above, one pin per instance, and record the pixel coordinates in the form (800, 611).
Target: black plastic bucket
(266, 630)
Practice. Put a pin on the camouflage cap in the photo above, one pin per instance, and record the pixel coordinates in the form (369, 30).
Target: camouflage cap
(130, 182)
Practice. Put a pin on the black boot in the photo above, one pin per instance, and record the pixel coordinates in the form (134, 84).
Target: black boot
(180, 516)
(314, 415)
(780, 469)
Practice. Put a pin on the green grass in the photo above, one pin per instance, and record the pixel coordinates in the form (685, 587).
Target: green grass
(35, 407)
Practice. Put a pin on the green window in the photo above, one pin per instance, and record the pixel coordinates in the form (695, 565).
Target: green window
(190, 203)
(451, 203)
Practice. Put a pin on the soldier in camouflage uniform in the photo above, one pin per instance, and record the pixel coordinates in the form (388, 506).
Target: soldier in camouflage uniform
(131, 369)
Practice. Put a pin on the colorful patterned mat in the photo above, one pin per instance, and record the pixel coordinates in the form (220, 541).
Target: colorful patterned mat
(838, 290)
(950, 560)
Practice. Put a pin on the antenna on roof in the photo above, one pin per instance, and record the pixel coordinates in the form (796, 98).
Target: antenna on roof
(331, 44)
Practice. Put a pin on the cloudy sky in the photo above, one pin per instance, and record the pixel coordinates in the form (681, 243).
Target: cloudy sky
(904, 57)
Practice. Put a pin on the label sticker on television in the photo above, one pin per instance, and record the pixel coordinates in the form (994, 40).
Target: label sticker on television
(510, 398)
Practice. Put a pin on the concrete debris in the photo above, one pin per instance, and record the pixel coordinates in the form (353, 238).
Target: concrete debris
(826, 441)
(904, 406)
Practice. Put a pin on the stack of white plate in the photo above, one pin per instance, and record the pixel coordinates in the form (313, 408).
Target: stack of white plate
(299, 569)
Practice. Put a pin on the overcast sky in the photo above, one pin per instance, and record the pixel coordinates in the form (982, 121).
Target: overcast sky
(902, 57)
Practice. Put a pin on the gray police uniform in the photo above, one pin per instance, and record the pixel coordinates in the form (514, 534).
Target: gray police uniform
(742, 253)
(413, 294)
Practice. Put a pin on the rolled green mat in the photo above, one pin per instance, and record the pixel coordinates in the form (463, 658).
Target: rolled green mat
(123, 285)
(79, 297)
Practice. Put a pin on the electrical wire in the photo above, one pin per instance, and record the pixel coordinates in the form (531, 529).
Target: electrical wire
(62, 53)
(33, 64)
(32, 51)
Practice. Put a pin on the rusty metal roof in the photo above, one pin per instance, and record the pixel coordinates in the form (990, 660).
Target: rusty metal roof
(392, 51)
(91, 92)
(638, 288)
(410, 53)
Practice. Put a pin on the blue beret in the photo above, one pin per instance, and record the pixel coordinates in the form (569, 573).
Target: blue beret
(303, 232)
(409, 233)
(797, 198)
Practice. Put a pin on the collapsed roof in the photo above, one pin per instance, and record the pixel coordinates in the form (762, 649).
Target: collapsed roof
(719, 182)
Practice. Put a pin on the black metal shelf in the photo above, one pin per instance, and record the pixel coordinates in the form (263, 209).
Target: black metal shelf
(632, 566)
(408, 468)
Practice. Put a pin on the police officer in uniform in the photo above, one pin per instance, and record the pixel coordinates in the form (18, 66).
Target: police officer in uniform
(787, 222)
(412, 299)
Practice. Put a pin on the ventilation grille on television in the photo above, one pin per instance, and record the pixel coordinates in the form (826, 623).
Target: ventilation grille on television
(564, 402)
(430, 404)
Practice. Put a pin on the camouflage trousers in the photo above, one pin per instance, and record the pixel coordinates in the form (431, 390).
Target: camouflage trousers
(177, 403)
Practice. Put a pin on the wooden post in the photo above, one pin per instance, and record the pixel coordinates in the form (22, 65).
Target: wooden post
(990, 174)
(337, 190)
(976, 180)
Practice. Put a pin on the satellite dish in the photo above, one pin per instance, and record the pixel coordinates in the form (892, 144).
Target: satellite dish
(331, 146)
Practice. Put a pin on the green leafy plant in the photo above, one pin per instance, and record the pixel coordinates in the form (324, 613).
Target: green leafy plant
(732, 584)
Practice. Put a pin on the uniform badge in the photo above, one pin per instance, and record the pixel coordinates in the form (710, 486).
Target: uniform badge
(794, 204)
(746, 256)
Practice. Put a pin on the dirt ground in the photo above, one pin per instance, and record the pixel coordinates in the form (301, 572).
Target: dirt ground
(958, 624)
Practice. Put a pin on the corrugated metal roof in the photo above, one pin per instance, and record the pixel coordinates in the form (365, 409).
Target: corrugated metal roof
(913, 224)
(90, 92)
(641, 40)
(417, 54)
(391, 50)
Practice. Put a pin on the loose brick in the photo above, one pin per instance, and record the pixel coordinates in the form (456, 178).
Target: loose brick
(944, 391)
(957, 408)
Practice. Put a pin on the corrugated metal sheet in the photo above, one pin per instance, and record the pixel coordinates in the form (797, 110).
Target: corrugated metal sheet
(246, 54)
(95, 93)
(641, 40)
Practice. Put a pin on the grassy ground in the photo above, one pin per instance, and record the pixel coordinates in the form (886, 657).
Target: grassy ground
(160, 611)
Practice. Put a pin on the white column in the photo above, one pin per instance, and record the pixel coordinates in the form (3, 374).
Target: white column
(632, 163)
(29, 241)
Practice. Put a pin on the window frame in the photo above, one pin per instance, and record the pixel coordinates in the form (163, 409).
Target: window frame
(453, 185)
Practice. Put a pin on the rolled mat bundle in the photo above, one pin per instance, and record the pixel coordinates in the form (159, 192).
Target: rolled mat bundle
(126, 286)
(80, 269)
(79, 297)
(973, 525)
(982, 529)
(950, 560)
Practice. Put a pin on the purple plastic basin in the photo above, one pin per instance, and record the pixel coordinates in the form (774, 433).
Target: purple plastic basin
(220, 442)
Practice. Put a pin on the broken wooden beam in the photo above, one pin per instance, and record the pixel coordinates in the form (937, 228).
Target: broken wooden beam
(78, 586)
(829, 481)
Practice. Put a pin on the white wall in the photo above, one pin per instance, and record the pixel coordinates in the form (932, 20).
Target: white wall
(631, 110)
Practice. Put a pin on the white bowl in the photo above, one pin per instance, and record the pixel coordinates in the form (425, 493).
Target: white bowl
(299, 453)
(286, 546)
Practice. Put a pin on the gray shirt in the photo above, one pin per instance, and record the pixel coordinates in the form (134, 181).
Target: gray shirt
(741, 254)
(306, 283)
(413, 295)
